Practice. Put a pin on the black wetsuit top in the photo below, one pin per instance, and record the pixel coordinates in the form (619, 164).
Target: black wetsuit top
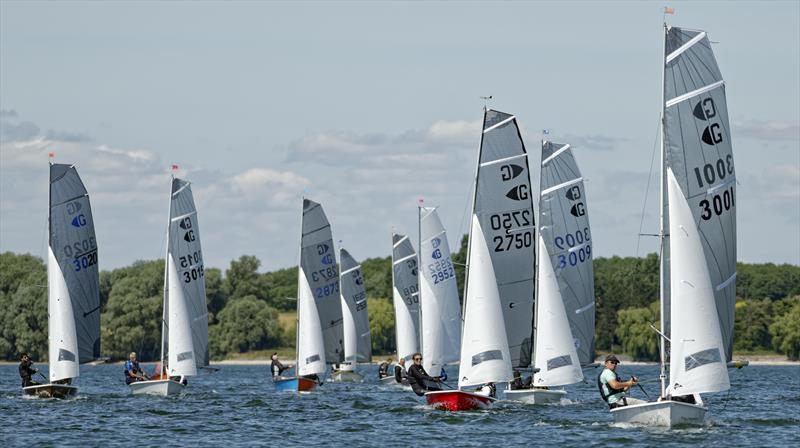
(400, 374)
(277, 368)
(25, 372)
(420, 381)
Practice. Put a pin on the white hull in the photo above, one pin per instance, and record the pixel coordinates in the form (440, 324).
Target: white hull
(536, 396)
(347, 376)
(660, 413)
(156, 387)
(51, 390)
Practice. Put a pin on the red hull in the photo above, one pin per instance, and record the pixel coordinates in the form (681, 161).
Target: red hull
(457, 400)
(305, 384)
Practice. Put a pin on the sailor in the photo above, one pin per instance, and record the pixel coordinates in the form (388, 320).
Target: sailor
(133, 372)
(487, 390)
(383, 369)
(400, 374)
(26, 370)
(518, 383)
(612, 389)
(277, 368)
(419, 379)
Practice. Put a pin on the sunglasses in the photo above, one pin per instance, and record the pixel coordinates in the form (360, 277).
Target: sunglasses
(417, 359)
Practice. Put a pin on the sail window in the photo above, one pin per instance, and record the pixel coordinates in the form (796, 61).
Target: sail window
(703, 357)
(65, 355)
(559, 361)
(313, 358)
(488, 355)
(184, 356)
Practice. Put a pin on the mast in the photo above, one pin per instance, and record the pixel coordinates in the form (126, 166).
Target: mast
(396, 332)
(536, 262)
(297, 302)
(662, 220)
(420, 269)
(164, 328)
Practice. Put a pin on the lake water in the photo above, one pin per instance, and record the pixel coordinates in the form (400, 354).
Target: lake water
(238, 406)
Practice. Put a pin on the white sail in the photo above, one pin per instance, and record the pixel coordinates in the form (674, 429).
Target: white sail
(355, 315)
(181, 347)
(441, 314)
(485, 356)
(61, 326)
(555, 355)
(698, 354)
(310, 344)
(73, 275)
(405, 292)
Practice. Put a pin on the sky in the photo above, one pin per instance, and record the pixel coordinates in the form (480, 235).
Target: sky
(366, 107)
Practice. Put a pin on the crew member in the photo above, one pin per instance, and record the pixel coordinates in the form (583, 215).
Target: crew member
(277, 368)
(612, 389)
(383, 369)
(419, 379)
(518, 383)
(26, 370)
(133, 372)
(400, 374)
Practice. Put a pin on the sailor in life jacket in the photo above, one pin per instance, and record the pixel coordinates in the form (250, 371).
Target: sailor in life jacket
(612, 389)
(383, 369)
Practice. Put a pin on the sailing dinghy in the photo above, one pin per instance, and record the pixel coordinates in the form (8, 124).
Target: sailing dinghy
(564, 313)
(405, 294)
(73, 303)
(697, 235)
(355, 320)
(319, 330)
(184, 330)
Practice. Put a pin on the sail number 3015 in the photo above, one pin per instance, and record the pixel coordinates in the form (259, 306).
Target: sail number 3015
(193, 263)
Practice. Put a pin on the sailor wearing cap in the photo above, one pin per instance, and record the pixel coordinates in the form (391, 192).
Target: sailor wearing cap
(612, 389)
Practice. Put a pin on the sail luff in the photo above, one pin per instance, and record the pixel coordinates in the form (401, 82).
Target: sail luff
(357, 338)
(405, 294)
(663, 264)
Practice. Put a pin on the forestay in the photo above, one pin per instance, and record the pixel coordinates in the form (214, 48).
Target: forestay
(504, 209)
(318, 263)
(701, 186)
(187, 312)
(73, 279)
(564, 228)
(484, 352)
(441, 314)
(405, 291)
(357, 339)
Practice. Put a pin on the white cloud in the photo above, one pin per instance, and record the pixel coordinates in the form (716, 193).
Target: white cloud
(766, 130)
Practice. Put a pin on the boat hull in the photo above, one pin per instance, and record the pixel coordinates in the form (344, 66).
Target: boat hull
(51, 391)
(294, 384)
(660, 413)
(457, 400)
(347, 376)
(162, 388)
(536, 396)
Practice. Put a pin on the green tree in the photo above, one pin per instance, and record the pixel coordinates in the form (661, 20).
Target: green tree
(215, 294)
(242, 278)
(281, 288)
(377, 276)
(751, 325)
(245, 324)
(132, 319)
(634, 333)
(23, 306)
(381, 325)
(785, 331)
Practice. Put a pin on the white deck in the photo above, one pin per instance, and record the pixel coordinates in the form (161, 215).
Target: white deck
(660, 413)
(536, 396)
(156, 387)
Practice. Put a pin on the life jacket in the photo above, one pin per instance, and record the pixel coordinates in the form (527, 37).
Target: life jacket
(611, 390)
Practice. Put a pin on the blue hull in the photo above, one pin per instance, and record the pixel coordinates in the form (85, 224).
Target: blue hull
(294, 384)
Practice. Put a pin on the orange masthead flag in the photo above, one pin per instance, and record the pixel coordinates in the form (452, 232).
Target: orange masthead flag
(668, 10)
(51, 154)
(174, 167)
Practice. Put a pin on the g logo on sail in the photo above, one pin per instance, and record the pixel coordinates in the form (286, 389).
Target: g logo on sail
(327, 259)
(73, 207)
(436, 242)
(436, 254)
(79, 221)
(508, 172)
(321, 249)
(518, 193)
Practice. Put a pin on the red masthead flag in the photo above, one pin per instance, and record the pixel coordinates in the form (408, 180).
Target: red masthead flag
(668, 10)
(174, 167)
(51, 154)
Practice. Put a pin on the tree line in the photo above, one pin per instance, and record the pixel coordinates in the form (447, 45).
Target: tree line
(244, 306)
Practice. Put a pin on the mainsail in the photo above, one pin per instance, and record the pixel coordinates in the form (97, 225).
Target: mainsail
(701, 193)
(186, 316)
(357, 339)
(565, 231)
(321, 276)
(699, 154)
(73, 279)
(503, 207)
(441, 314)
(405, 289)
